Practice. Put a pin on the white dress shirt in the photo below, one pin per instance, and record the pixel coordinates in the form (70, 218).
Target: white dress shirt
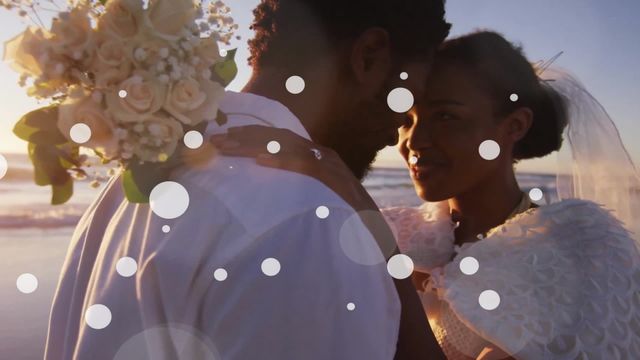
(324, 303)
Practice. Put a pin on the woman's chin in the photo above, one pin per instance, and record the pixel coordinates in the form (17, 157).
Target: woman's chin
(430, 195)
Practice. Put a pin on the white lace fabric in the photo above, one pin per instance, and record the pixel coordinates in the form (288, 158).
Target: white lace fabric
(567, 274)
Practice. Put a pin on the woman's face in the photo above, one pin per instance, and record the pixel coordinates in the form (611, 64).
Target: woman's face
(444, 132)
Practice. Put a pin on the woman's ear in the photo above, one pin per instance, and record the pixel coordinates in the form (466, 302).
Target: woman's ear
(518, 123)
(371, 57)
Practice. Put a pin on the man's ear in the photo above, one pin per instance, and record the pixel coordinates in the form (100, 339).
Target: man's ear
(518, 123)
(371, 57)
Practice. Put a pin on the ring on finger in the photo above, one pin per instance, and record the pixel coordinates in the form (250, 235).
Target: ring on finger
(317, 153)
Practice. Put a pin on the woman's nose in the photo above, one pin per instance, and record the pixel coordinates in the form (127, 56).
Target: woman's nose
(419, 137)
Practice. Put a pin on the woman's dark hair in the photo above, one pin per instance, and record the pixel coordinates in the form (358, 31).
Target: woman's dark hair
(292, 33)
(502, 69)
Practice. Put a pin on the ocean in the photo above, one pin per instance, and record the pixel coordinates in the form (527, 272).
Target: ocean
(34, 237)
(25, 205)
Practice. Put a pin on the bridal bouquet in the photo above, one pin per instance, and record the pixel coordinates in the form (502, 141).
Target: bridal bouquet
(126, 79)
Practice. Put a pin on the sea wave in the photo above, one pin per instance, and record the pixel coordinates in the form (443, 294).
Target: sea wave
(25, 205)
(42, 218)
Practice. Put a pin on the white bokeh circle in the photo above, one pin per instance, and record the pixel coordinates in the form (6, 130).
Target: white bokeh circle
(489, 150)
(126, 267)
(169, 200)
(404, 75)
(270, 267)
(469, 265)
(400, 266)
(187, 343)
(400, 100)
(193, 139)
(273, 147)
(98, 316)
(220, 274)
(514, 97)
(536, 194)
(166, 228)
(322, 212)
(351, 306)
(80, 133)
(27, 283)
(357, 241)
(4, 166)
(489, 300)
(295, 84)
(122, 93)
(413, 160)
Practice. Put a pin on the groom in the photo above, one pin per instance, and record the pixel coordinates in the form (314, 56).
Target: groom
(264, 264)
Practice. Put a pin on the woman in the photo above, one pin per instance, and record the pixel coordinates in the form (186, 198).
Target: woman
(498, 275)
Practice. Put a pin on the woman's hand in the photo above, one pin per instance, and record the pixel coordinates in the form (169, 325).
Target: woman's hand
(295, 154)
(493, 353)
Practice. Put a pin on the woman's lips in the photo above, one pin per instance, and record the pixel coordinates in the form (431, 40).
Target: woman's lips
(422, 171)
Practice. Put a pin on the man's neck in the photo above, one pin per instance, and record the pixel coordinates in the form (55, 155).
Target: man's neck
(306, 106)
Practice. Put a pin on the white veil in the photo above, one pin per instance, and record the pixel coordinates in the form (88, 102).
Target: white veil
(593, 162)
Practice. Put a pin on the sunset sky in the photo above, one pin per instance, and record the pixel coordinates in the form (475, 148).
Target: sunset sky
(599, 40)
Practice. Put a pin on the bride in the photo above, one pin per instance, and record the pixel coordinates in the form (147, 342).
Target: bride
(500, 276)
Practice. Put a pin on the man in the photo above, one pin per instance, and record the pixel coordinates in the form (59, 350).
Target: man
(265, 264)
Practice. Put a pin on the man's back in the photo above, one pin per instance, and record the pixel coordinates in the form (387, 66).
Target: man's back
(284, 273)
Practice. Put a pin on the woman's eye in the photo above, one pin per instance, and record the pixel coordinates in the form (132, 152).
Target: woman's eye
(445, 116)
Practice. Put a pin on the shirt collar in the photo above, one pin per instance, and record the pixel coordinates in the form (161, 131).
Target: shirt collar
(267, 111)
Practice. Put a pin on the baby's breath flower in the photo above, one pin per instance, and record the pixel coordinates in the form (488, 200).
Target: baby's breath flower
(140, 54)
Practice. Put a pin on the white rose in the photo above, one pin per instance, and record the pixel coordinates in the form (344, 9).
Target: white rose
(122, 18)
(208, 51)
(143, 97)
(112, 52)
(168, 18)
(86, 111)
(71, 34)
(192, 102)
(160, 139)
(109, 79)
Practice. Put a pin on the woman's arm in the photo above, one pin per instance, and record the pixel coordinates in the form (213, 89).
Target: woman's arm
(296, 154)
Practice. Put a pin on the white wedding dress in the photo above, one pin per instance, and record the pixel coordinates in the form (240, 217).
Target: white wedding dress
(567, 276)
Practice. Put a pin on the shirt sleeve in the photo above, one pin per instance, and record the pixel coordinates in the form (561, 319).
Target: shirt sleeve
(308, 288)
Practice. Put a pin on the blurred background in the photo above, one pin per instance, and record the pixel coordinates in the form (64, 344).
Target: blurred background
(599, 41)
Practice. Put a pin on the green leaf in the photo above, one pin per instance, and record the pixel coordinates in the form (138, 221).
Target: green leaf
(46, 159)
(221, 118)
(40, 127)
(131, 188)
(69, 155)
(49, 170)
(62, 193)
(40, 176)
(226, 70)
(140, 179)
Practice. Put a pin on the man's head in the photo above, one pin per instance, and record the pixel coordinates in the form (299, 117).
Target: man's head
(351, 54)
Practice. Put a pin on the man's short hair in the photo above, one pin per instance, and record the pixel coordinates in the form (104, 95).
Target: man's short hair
(292, 32)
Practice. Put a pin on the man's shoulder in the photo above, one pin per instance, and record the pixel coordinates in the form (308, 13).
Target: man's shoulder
(260, 197)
